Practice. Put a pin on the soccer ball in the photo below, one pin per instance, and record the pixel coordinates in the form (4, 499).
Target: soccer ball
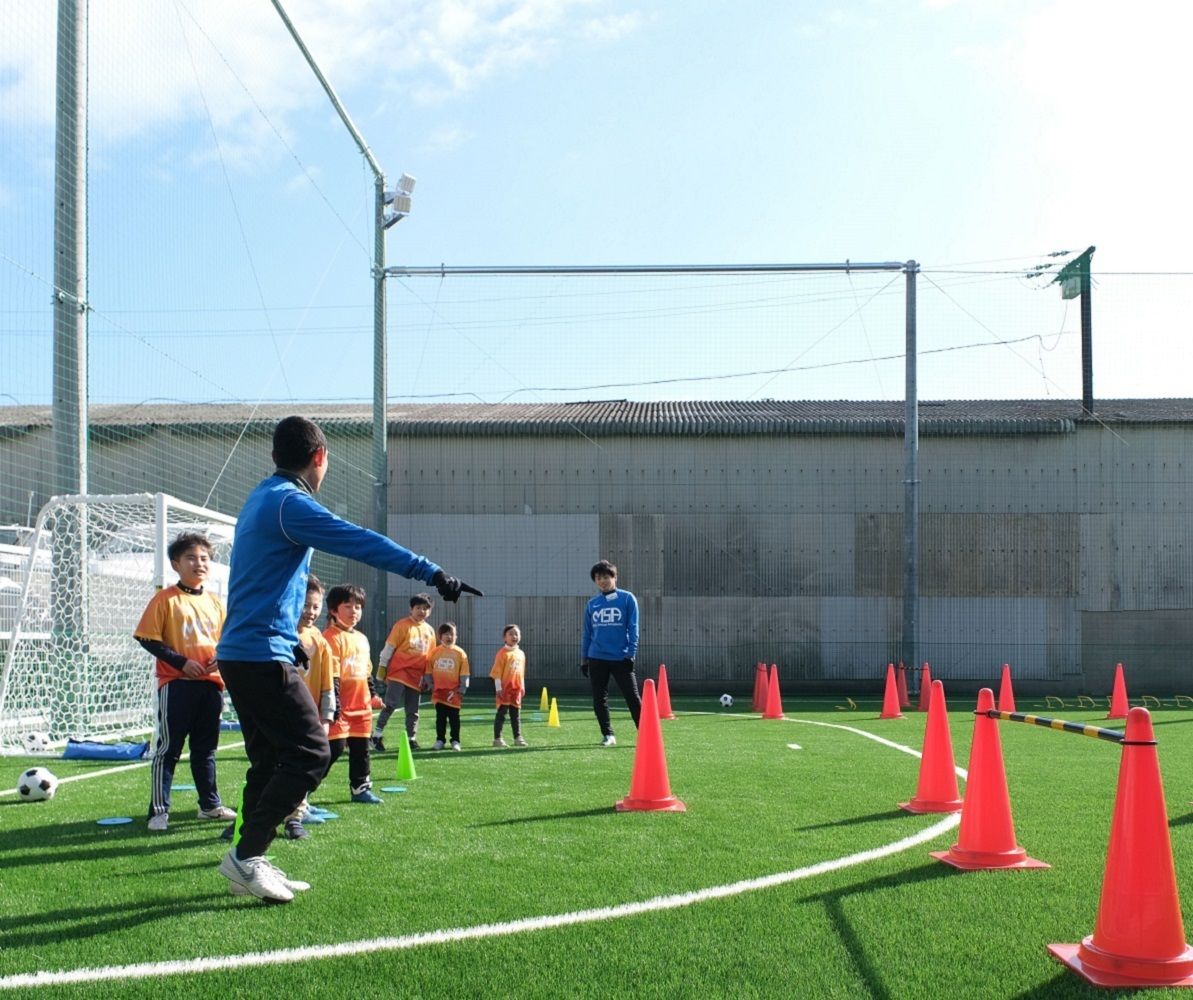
(726, 701)
(36, 785)
(37, 742)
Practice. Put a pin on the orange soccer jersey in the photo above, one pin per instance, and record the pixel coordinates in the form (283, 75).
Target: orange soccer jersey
(446, 665)
(509, 667)
(319, 672)
(412, 641)
(351, 651)
(189, 624)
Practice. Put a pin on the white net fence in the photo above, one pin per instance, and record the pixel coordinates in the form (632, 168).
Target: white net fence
(71, 593)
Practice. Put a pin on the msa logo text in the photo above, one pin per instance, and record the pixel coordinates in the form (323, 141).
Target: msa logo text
(606, 616)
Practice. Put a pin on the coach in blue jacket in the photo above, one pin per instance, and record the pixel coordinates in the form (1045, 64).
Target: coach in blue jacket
(279, 527)
(608, 645)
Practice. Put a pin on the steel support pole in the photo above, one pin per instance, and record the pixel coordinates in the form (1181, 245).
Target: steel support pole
(911, 486)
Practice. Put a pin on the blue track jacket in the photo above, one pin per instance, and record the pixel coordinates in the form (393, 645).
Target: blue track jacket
(610, 627)
(279, 527)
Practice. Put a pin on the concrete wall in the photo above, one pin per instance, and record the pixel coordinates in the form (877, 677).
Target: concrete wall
(1061, 554)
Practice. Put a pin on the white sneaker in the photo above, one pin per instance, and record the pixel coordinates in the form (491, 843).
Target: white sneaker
(520, 741)
(499, 742)
(217, 812)
(456, 745)
(254, 877)
(438, 745)
(159, 822)
(293, 884)
(609, 741)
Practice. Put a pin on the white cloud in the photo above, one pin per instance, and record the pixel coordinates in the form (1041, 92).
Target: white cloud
(445, 139)
(154, 64)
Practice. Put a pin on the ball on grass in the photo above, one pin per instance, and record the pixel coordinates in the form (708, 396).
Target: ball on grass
(36, 785)
(726, 701)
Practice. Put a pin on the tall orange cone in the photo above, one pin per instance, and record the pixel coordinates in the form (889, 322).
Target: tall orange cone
(925, 688)
(1139, 939)
(774, 697)
(1118, 697)
(890, 697)
(650, 788)
(664, 694)
(937, 789)
(1006, 696)
(901, 686)
(987, 835)
(760, 687)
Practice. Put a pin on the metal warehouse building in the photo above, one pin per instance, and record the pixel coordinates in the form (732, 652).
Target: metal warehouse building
(765, 530)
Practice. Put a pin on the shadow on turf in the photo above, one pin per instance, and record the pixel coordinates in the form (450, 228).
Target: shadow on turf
(62, 843)
(853, 820)
(576, 814)
(870, 972)
(76, 922)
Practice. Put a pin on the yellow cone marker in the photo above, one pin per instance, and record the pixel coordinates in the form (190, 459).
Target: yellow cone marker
(553, 718)
(543, 701)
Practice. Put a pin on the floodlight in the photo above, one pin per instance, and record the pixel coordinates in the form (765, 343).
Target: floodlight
(406, 184)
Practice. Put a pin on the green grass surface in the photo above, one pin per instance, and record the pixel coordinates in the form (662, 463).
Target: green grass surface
(488, 836)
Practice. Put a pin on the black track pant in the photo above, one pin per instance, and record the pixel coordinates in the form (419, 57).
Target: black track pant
(285, 743)
(599, 672)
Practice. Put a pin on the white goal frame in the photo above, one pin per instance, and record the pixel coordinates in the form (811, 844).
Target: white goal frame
(69, 665)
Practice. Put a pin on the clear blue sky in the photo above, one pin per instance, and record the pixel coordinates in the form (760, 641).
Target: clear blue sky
(967, 135)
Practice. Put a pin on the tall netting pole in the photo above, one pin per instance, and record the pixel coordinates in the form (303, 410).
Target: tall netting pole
(911, 483)
(68, 593)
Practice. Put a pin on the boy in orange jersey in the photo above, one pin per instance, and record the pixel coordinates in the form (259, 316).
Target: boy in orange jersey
(509, 678)
(345, 605)
(404, 662)
(447, 678)
(180, 627)
(316, 664)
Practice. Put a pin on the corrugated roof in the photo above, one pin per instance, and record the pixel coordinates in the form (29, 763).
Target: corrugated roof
(605, 417)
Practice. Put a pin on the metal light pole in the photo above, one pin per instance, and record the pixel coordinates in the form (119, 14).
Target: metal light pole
(377, 610)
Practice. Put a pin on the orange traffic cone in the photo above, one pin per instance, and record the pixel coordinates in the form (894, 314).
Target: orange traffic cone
(760, 687)
(664, 694)
(890, 697)
(1118, 698)
(1139, 939)
(925, 688)
(1006, 696)
(650, 788)
(774, 697)
(901, 686)
(937, 789)
(987, 835)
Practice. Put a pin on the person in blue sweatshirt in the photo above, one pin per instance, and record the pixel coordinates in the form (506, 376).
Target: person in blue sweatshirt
(279, 527)
(609, 642)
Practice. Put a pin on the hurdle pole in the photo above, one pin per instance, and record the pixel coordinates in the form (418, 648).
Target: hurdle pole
(1080, 728)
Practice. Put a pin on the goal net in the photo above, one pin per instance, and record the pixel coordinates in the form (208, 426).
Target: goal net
(72, 590)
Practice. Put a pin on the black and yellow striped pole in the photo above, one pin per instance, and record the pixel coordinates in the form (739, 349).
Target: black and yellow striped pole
(1081, 728)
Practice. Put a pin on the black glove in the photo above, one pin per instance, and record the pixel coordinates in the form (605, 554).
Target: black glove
(583, 668)
(628, 663)
(450, 588)
(300, 656)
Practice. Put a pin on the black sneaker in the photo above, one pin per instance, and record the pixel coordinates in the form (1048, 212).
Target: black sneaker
(378, 745)
(414, 745)
(294, 830)
(228, 832)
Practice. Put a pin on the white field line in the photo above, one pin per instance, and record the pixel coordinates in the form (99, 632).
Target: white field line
(289, 956)
(120, 767)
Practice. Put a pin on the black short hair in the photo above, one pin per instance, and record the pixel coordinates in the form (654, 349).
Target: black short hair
(342, 594)
(295, 440)
(421, 601)
(447, 627)
(604, 566)
(314, 584)
(187, 540)
(506, 631)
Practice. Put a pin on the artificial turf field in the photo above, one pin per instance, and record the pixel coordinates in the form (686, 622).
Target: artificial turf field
(489, 837)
